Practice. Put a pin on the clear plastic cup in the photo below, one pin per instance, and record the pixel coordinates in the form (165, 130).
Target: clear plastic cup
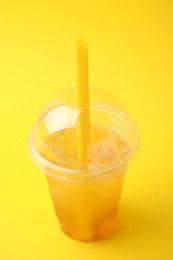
(86, 194)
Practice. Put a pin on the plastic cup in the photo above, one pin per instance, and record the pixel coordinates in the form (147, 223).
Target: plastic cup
(85, 195)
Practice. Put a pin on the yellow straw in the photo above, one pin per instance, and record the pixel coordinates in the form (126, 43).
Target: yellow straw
(82, 83)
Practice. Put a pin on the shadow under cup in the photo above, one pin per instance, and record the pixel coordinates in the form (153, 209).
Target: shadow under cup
(85, 198)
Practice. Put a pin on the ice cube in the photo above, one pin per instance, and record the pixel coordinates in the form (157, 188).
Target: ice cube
(103, 148)
(123, 149)
(103, 152)
(94, 165)
(55, 148)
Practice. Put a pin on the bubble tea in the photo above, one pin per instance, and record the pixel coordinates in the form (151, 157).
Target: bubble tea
(85, 193)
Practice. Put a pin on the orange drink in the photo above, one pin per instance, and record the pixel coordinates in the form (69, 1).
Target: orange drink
(85, 194)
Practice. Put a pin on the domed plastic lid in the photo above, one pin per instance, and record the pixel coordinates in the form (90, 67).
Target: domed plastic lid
(54, 137)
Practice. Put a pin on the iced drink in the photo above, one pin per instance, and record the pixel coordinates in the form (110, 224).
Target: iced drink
(86, 194)
(87, 210)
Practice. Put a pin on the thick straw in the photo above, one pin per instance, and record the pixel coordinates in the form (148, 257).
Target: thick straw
(82, 83)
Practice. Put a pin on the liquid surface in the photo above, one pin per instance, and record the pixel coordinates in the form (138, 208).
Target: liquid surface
(106, 147)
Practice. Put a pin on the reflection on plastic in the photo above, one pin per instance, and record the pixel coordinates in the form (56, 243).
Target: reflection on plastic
(60, 118)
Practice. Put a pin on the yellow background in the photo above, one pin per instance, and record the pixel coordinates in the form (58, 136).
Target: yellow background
(130, 54)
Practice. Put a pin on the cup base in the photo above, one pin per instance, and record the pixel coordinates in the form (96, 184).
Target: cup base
(89, 238)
